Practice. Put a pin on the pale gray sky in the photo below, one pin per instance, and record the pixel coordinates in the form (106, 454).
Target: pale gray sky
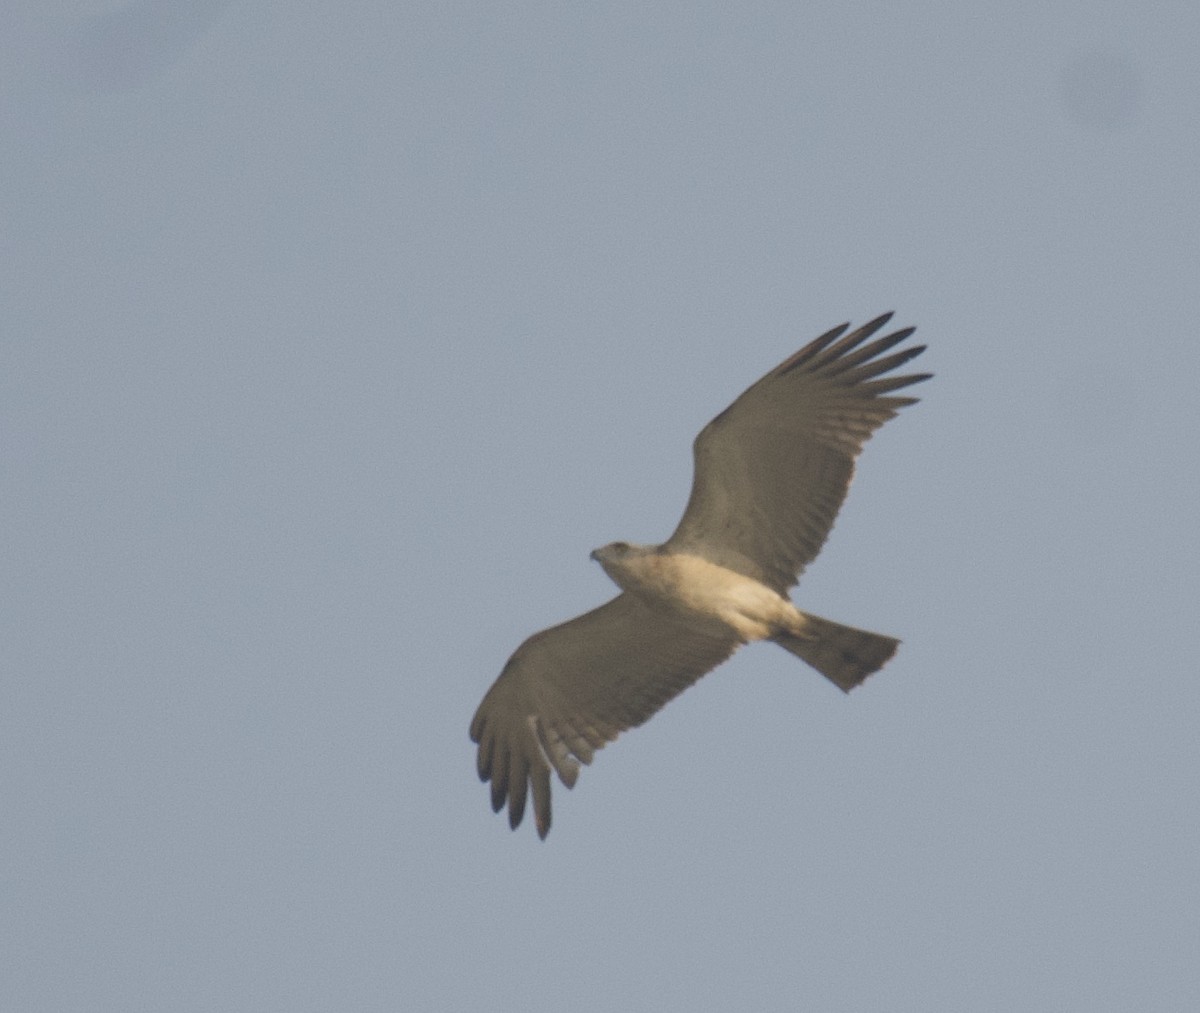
(335, 336)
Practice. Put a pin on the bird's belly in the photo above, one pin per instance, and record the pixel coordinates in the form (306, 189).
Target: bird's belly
(697, 586)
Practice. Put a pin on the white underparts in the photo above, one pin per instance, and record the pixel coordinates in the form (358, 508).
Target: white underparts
(693, 584)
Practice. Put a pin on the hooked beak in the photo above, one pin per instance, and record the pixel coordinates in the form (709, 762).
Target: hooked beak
(592, 555)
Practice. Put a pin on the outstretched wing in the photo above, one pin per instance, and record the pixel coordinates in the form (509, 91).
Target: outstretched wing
(772, 470)
(570, 689)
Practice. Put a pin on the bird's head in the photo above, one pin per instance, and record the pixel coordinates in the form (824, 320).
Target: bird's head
(613, 552)
(617, 558)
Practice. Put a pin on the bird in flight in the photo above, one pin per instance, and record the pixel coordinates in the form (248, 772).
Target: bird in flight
(770, 473)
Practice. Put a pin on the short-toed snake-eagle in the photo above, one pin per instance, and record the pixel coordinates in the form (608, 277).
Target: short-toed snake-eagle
(771, 472)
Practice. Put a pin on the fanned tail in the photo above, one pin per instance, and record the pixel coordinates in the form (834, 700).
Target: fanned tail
(843, 654)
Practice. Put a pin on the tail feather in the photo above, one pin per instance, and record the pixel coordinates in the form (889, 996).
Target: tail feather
(844, 655)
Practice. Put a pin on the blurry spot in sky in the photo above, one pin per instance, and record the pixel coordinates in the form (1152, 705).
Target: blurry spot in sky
(1101, 90)
(132, 46)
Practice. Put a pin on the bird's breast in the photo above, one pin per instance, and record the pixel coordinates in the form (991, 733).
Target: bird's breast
(691, 584)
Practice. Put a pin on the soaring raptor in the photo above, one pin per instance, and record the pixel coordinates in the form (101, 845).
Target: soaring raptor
(771, 472)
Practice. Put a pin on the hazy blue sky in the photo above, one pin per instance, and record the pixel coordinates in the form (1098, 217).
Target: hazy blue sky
(335, 336)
